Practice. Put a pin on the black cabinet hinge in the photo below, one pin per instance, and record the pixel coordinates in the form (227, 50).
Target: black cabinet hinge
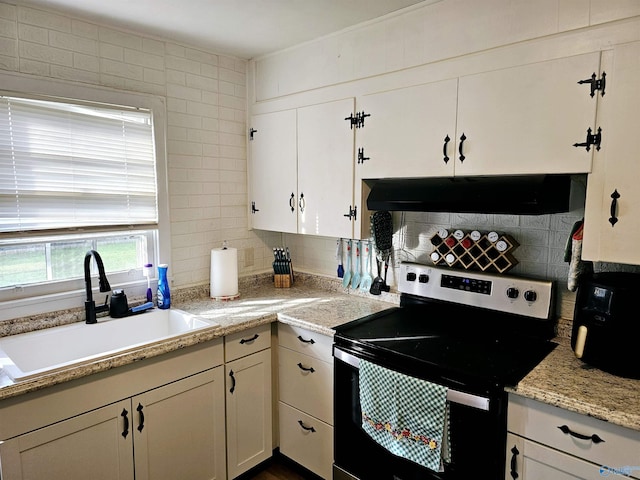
(357, 120)
(596, 83)
(592, 139)
(361, 157)
(353, 213)
(251, 132)
(253, 207)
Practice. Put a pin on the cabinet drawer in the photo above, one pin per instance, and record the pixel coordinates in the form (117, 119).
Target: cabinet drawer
(306, 440)
(540, 422)
(306, 383)
(247, 342)
(305, 341)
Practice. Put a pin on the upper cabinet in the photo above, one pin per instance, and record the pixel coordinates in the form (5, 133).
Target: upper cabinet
(406, 134)
(273, 171)
(518, 120)
(301, 170)
(612, 211)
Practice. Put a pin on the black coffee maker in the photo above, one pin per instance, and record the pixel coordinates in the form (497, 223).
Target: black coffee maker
(606, 327)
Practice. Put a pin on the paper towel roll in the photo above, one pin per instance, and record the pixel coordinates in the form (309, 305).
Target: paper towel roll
(224, 273)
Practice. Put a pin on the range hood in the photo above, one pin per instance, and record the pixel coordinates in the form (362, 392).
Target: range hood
(520, 194)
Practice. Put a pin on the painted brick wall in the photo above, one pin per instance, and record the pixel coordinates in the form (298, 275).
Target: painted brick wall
(206, 111)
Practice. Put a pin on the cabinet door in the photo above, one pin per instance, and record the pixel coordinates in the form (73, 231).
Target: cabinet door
(616, 167)
(272, 172)
(405, 134)
(96, 445)
(325, 169)
(180, 431)
(249, 412)
(527, 460)
(526, 119)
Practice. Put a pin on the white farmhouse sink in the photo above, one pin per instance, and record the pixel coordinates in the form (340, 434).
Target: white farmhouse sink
(28, 355)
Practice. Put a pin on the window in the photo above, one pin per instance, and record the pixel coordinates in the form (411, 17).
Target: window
(77, 175)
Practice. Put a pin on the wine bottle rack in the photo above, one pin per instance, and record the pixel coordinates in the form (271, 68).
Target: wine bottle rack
(488, 252)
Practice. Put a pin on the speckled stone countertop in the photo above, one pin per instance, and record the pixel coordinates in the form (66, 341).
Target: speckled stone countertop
(564, 381)
(319, 304)
(315, 303)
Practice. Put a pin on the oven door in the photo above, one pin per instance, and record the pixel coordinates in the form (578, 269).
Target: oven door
(477, 430)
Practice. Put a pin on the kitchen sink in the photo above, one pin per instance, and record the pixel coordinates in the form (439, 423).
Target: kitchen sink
(28, 355)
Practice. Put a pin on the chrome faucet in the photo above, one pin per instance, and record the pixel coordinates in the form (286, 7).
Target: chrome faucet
(89, 305)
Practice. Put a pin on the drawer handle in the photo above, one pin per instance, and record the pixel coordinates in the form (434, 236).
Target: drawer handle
(594, 438)
(141, 424)
(311, 340)
(249, 340)
(308, 429)
(306, 369)
(125, 431)
(514, 463)
(233, 382)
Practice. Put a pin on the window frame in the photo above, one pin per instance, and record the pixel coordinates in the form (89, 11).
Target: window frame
(18, 84)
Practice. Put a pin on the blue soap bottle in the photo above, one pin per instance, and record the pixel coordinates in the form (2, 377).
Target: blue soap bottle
(164, 295)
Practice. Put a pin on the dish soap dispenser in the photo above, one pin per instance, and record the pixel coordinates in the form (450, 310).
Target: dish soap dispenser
(164, 295)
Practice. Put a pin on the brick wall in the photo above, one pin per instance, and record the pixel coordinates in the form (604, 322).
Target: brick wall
(206, 122)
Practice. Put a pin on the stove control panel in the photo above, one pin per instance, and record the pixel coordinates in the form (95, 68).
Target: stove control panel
(518, 295)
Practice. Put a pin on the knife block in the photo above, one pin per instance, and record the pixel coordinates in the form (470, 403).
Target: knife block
(282, 281)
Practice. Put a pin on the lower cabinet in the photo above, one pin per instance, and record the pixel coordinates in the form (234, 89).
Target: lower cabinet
(248, 399)
(155, 435)
(546, 442)
(305, 370)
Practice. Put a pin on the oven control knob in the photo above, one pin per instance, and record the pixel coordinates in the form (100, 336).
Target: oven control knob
(513, 293)
(423, 278)
(530, 296)
(411, 277)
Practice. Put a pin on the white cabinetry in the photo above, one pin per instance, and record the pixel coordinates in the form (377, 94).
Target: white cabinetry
(612, 211)
(546, 442)
(305, 369)
(79, 430)
(301, 170)
(517, 120)
(273, 172)
(248, 394)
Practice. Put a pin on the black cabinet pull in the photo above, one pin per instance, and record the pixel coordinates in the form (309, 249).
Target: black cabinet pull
(613, 219)
(462, 139)
(444, 148)
(514, 463)
(308, 429)
(233, 382)
(306, 369)
(141, 422)
(311, 340)
(292, 202)
(252, 131)
(594, 438)
(125, 431)
(249, 340)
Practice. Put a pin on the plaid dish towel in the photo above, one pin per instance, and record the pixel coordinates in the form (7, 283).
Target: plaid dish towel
(407, 416)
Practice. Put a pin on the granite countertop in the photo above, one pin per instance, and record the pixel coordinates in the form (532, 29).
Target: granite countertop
(319, 304)
(564, 381)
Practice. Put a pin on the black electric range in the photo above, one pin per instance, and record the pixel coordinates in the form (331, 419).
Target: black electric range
(471, 332)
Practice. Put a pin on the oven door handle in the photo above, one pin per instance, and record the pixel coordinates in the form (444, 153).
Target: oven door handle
(453, 396)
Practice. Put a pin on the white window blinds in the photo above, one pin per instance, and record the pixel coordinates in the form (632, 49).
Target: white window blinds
(75, 166)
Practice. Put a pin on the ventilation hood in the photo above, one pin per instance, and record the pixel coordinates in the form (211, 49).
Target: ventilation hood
(520, 195)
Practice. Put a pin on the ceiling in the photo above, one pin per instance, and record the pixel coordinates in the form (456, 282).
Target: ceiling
(242, 28)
